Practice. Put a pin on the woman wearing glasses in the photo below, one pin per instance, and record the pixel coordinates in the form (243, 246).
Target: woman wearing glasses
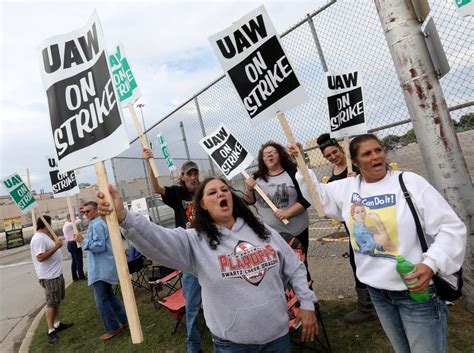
(334, 153)
(276, 177)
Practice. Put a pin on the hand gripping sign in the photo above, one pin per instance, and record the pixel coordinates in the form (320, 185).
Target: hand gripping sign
(128, 92)
(64, 185)
(346, 107)
(87, 124)
(24, 198)
(231, 158)
(252, 56)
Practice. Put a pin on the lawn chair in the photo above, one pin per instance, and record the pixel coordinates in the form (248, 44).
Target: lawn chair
(165, 281)
(173, 300)
(138, 270)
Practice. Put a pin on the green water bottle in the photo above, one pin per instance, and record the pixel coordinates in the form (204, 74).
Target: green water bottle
(405, 268)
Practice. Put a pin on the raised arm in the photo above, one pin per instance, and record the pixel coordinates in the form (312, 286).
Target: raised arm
(157, 188)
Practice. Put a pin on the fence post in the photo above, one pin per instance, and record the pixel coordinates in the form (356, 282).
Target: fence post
(156, 218)
(181, 125)
(317, 43)
(437, 139)
(203, 130)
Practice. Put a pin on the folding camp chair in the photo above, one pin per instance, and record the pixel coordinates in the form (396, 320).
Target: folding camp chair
(176, 305)
(138, 269)
(169, 284)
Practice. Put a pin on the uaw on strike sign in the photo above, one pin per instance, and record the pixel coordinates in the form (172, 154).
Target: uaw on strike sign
(346, 107)
(251, 54)
(85, 115)
(63, 184)
(226, 151)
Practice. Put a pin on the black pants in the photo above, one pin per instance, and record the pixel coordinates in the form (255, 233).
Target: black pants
(76, 263)
(303, 237)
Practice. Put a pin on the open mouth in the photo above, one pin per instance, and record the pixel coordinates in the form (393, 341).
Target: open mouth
(377, 165)
(223, 203)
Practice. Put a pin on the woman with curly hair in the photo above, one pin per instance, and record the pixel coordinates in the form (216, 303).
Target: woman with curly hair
(242, 266)
(276, 177)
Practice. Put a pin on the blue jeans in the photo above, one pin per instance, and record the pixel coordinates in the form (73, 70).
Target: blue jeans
(110, 308)
(192, 295)
(76, 260)
(280, 345)
(412, 327)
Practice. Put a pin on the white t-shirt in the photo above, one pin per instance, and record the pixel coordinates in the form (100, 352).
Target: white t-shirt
(68, 230)
(51, 267)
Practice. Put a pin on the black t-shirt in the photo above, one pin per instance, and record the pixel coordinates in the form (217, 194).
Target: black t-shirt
(343, 175)
(180, 200)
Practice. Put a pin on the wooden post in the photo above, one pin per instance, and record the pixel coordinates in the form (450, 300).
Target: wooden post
(33, 217)
(120, 259)
(48, 226)
(315, 201)
(265, 197)
(73, 218)
(348, 154)
(143, 140)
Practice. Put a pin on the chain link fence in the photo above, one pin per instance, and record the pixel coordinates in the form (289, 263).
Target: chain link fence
(340, 36)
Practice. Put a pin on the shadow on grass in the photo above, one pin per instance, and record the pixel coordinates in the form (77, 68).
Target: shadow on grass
(157, 325)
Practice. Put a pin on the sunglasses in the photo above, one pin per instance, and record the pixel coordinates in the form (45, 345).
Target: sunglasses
(88, 211)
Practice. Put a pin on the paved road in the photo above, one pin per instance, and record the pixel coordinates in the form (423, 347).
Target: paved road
(22, 296)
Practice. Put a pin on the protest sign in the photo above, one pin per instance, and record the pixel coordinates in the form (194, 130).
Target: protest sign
(87, 125)
(465, 7)
(231, 158)
(251, 54)
(86, 119)
(226, 152)
(19, 192)
(346, 107)
(166, 153)
(125, 83)
(140, 206)
(63, 184)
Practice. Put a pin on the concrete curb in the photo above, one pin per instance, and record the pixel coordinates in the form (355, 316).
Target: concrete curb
(26, 342)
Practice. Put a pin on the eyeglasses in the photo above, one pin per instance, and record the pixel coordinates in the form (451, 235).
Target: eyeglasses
(270, 153)
(88, 211)
(330, 142)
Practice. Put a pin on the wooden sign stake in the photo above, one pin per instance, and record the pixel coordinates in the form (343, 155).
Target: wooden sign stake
(48, 227)
(265, 197)
(73, 218)
(33, 218)
(348, 154)
(120, 259)
(143, 140)
(316, 202)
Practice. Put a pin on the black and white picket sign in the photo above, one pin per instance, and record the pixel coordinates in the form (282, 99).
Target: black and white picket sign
(251, 54)
(226, 152)
(346, 107)
(85, 115)
(63, 184)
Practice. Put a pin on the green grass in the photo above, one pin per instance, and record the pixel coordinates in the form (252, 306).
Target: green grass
(79, 307)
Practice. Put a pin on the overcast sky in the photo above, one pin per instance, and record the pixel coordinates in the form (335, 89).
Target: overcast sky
(166, 44)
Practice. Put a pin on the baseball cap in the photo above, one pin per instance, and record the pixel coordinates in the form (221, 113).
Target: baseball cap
(187, 166)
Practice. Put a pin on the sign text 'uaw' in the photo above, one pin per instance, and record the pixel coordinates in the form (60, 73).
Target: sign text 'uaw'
(346, 108)
(127, 88)
(86, 119)
(226, 152)
(63, 184)
(19, 192)
(251, 54)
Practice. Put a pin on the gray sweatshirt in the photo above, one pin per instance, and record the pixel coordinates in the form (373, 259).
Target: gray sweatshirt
(242, 280)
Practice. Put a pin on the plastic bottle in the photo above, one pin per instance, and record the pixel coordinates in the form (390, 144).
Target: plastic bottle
(405, 268)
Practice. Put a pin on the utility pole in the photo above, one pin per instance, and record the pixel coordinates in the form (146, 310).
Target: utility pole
(437, 139)
(181, 125)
